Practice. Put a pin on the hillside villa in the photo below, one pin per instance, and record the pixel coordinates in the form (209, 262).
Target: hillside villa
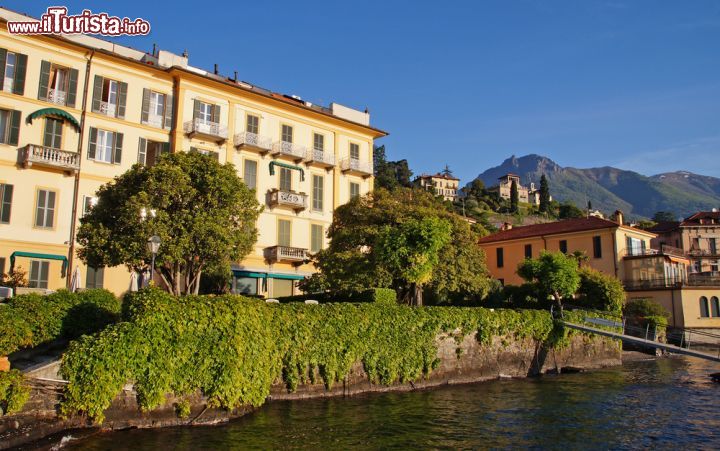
(440, 184)
(525, 194)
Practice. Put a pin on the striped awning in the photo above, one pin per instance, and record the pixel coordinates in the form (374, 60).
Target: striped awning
(56, 112)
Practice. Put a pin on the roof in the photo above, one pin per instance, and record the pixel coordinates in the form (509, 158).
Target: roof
(664, 227)
(509, 174)
(554, 228)
(437, 176)
(694, 220)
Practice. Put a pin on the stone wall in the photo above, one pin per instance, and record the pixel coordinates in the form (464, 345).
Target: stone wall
(467, 362)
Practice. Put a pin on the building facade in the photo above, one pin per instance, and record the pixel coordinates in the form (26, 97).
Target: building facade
(77, 111)
(440, 184)
(526, 194)
(698, 236)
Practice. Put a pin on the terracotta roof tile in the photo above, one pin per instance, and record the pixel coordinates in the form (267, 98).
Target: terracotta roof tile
(553, 228)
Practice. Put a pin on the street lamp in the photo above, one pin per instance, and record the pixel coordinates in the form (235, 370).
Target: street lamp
(153, 245)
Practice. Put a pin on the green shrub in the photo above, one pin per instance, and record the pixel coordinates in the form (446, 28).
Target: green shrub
(14, 392)
(233, 348)
(644, 311)
(370, 295)
(600, 291)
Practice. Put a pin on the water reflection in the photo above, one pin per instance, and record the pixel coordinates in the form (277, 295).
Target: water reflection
(658, 404)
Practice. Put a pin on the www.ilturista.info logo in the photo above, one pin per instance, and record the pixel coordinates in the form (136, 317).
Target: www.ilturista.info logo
(57, 21)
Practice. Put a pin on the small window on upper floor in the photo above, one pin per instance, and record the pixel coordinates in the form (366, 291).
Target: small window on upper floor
(13, 75)
(287, 134)
(156, 109)
(354, 190)
(355, 151)
(318, 142)
(58, 84)
(252, 124)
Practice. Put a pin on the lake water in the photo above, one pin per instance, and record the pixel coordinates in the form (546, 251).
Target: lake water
(655, 404)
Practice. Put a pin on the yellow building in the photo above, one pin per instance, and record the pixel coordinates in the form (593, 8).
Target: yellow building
(77, 111)
(440, 184)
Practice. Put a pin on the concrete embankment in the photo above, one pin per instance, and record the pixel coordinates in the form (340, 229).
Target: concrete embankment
(466, 362)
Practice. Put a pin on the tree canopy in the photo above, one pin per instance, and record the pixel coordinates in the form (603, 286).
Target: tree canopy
(202, 211)
(664, 216)
(544, 194)
(514, 197)
(553, 273)
(390, 174)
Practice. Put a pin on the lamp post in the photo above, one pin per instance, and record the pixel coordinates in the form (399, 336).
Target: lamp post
(153, 245)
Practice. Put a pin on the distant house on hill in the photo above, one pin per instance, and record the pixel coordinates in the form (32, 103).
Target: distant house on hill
(528, 195)
(441, 184)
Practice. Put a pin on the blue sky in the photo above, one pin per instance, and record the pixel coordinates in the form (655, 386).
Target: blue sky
(632, 84)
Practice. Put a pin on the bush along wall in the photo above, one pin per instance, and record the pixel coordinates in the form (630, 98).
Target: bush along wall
(233, 349)
(32, 319)
(14, 392)
(370, 295)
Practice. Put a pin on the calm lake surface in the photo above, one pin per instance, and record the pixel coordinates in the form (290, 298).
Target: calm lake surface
(655, 404)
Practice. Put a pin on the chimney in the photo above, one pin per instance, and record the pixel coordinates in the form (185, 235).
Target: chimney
(619, 217)
(506, 226)
(216, 69)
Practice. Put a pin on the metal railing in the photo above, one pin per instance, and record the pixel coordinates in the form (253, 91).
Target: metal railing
(204, 127)
(108, 108)
(702, 280)
(297, 201)
(703, 252)
(659, 282)
(154, 120)
(319, 156)
(47, 156)
(353, 164)
(671, 250)
(57, 96)
(289, 149)
(252, 139)
(286, 253)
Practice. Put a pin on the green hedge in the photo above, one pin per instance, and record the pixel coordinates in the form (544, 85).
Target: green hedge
(370, 295)
(14, 392)
(32, 319)
(233, 348)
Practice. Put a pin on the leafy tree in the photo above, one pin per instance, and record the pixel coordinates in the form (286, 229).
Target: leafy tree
(569, 211)
(646, 311)
(390, 174)
(358, 255)
(553, 273)
(544, 194)
(514, 197)
(664, 216)
(600, 291)
(14, 278)
(204, 214)
(580, 257)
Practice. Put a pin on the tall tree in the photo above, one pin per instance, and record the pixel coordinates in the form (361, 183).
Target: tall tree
(569, 211)
(514, 197)
(544, 194)
(553, 273)
(390, 174)
(202, 211)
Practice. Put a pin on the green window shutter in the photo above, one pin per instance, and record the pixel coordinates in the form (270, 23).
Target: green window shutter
(97, 94)
(165, 148)
(145, 111)
(44, 80)
(168, 111)
(14, 128)
(117, 153)
(20, 70)
(122, 98)
(3, 59)
(92, 143)
(6, 192)
(196, 109)
(72, 87)
(142, 151)
(99, 277)
(216, 114)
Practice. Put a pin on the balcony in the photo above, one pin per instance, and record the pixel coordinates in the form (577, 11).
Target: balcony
(287, 254)
(321, 158)
(703, 253)
(56, 96)
(356, 167)
(205, 129)
(693, 280)
(253, 142)
(704, 280)
(53, 158)
(291, 199)
(154, 120)
(670, 250)
(109, 109)
(292, 151)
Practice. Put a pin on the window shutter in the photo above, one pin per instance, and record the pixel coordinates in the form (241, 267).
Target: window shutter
(145, 111)
(165, 148)
(216, 114)
(14, 128)
(72, 87)
(122, 98)
(196, 109)
(3, 59)
(142, 151)
(44, 80)
(99, 277)
(97, 94)
(20, 69)
(6, 202)
(168, 111)
(117, 154)
(92, 144)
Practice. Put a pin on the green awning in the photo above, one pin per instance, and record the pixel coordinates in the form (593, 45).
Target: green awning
(39, 256)
(286, 276)
(57, 112)
(263, 275)
(287, 166)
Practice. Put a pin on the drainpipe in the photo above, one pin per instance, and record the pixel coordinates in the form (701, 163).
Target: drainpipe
(615, 253)
(76, 187)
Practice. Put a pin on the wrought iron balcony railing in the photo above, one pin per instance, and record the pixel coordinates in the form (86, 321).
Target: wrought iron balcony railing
(296, 201)
(49, 157)
(155, 120)
(253, 140)
(286, 254)
(292, 150)
(108, 108)
(321, 158)
(57, 96)
(206, 128)
(356, 166)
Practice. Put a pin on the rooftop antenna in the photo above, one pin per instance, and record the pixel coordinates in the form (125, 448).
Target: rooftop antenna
(235, 79)
(154, 52)
(216, 69)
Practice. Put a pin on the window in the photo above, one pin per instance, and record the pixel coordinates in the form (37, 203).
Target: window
(282, 287)
(500, 257)
(713, 245)
(53, 133)
(355, 151)
(2, 265)
(285, 179)
(528, 251)
(354, 190)
(9, 127)
(597, 247)
(284, 232)
(252, 124)
(635, 246)
(208, 153)
(6, 194)
(714, 306)
(109, 97)
(704, 310)
(58, 84)
(105, 146)
(149, 152)
(250, 174)
(318, 182)
(245, 285)
(316, 238)
(563, 246)
(45, 210)
(88, 203)
(13, 73)
(39, 271)
(156, 109)
(318, 142)
(94, 277)
(287, 134)
(206, 113)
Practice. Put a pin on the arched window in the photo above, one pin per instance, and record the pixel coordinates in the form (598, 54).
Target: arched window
(704, 311)
(714, 306)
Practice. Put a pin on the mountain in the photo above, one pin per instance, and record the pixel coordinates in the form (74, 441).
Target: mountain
(610, 189)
